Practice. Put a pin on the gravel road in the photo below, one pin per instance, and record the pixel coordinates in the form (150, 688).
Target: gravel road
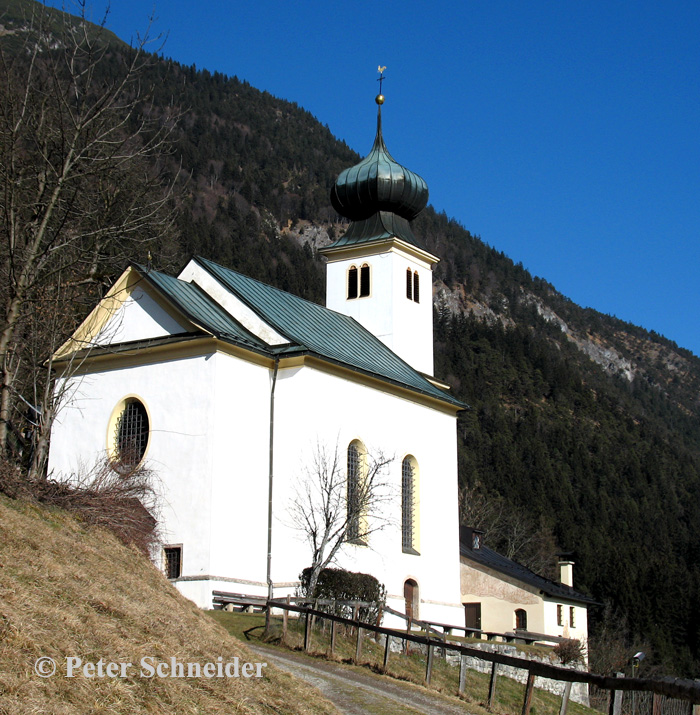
(356, 693)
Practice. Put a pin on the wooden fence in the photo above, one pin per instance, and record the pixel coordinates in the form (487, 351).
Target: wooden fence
(686, 690)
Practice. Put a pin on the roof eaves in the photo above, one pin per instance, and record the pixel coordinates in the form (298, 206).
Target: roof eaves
(511, 568)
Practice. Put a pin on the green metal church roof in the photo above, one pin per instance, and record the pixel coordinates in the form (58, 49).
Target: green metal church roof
(310, 328)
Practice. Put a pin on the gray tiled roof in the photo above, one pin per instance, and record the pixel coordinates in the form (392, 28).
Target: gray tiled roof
(489, 558)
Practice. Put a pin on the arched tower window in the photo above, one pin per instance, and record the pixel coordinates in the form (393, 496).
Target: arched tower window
(355, 486)
(409, 284)
(416, 287)
(364, 280)
(409, 505)
(352, 282)
(521, 619)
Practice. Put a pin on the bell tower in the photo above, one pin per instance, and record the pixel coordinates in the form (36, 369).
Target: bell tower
(378, 272)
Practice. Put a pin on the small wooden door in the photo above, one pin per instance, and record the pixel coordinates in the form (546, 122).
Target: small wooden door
(472, 615)
(410, 594)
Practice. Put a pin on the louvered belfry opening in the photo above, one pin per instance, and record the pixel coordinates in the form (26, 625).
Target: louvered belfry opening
(352, 282)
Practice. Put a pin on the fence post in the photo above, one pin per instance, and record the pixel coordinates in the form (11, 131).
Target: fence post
(462, 673)
(492, 685)
(656, 704)
(429, 664)
(565, 699)
(387, 649)
(333, 627)
(616, 699)
(358, 647)
(444, 647)
(307, 633)
(528, 693)
(285, 621)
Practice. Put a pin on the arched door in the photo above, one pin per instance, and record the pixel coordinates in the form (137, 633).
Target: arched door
(410, 594)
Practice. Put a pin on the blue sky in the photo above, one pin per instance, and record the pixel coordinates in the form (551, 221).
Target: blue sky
(565, 134)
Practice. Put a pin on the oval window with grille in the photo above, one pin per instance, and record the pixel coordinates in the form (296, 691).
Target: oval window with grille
(129, 433)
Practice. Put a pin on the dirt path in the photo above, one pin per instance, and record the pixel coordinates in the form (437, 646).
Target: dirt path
(356, 693)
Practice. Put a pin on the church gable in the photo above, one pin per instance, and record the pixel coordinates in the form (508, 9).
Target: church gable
(131, 311)
(140, 317)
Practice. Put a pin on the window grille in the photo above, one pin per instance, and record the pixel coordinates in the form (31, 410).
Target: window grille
(364, 281)
(352, 282)
(407, 505)
(572, 622)
(560, 615)
(416, 288)
(353, 499)
(521, 619)
(173, 561)
(409, 284)
(131, 437)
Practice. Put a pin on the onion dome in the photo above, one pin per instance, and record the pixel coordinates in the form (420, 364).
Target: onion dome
(380, 195)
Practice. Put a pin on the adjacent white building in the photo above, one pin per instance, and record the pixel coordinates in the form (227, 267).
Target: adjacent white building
(227, 388)
(501, 596)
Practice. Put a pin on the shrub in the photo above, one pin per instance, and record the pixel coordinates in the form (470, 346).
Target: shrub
(125, 504)
(340, 585)
(570, 651)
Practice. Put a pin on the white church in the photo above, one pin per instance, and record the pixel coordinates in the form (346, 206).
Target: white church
(226, 387)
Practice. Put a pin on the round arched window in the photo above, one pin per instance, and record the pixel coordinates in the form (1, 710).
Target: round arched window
(130, 432)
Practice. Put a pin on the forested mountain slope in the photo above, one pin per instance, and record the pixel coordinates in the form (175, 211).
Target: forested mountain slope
(586, 425)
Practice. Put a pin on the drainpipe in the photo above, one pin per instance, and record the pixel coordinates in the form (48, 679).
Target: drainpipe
(269, 495)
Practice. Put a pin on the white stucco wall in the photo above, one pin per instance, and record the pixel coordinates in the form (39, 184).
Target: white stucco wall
(501, 596)
(311, 407)
(579, 629)
(500, 599)
(178, 396)
(139, 317)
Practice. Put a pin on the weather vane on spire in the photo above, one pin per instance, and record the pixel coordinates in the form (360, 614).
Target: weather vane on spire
(380, 97)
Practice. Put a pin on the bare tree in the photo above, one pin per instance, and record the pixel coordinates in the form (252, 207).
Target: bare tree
(332, 506)
(80, 191)
(511, 532)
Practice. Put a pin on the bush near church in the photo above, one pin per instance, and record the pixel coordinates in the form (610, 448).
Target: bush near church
(340, 585)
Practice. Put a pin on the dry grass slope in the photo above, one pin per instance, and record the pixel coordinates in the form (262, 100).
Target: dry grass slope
(69, 590)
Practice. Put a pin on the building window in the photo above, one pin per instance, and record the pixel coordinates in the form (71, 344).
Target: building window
(355, 484)
(364, 281)
(129, 433)
(521, 619)
(172, 556)
(352, 282)
(560, 615)
(359, 282)
(409, 503)
(572, 621)
(409, 284)
(416, 288)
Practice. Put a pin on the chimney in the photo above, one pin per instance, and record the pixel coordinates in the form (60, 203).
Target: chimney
(566, 572)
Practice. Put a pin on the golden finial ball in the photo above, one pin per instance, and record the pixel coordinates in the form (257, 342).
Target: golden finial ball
(379, 99)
